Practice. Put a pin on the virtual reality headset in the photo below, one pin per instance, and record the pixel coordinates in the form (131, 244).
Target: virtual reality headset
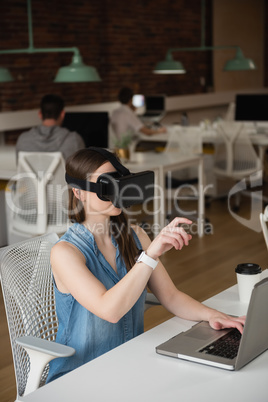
(121, 187)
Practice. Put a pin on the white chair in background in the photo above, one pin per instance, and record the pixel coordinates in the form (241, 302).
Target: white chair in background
(230, 114)
(28, 293)
(173, 143)
(37, 198)
(185, 141)
(182, 185)
(235, 157)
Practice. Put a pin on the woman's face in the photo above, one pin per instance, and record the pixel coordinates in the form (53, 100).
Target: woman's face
(92, 203)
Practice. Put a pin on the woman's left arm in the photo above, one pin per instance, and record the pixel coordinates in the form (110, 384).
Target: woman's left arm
(179, 303)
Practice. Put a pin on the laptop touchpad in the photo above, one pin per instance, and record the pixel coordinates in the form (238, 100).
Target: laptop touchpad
(201, 333)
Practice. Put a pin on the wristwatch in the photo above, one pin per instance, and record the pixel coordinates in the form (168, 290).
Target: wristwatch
(143, 257)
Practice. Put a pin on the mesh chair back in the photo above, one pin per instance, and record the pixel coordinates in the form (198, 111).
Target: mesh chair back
(40, 199)
(26, 280)
(234, 153)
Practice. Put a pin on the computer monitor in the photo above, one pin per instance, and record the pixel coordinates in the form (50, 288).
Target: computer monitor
(155, 103)
(251, 107)
(92, 126)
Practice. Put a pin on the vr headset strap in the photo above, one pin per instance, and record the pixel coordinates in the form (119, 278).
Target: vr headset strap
(122, 170)
(97, 187)
(83, 184)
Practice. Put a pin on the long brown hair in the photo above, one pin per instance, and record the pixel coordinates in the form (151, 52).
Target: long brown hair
(80, 166)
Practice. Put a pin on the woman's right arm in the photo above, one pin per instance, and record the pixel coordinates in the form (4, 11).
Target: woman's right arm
(72, 275)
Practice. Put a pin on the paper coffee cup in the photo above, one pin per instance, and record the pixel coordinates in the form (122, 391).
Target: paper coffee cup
(247, 275)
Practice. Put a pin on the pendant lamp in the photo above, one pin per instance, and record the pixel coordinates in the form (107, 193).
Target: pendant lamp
(171, 66)
(77, 71)
(239, 63)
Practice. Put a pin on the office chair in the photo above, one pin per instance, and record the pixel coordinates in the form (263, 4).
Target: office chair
(230, 114)
(185, 141)
(235, 157)
(264, 220)
(28, 293)
(182, 185)
(37, 198)
(26, 280)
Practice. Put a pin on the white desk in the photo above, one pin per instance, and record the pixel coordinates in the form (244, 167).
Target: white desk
(134, 372)
(260, 140)
(210, 135)
(8, 156)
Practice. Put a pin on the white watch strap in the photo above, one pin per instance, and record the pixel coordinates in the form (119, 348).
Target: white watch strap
(143, 257)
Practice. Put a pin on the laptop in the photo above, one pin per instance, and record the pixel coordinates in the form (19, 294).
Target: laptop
(200, 344)
(155, 107)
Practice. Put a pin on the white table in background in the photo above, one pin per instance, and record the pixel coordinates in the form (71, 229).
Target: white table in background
(8, 155)
(209, 135)
(260, 140)
(134, 372)
(162, 164)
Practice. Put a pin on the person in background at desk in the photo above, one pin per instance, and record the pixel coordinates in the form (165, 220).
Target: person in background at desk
(50, 136)
(125, 121)
(100, 285)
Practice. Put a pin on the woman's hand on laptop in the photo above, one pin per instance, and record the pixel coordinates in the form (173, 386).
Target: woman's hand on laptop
(220, 320)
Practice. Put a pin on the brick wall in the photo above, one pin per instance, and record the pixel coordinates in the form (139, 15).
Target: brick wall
(122, 39)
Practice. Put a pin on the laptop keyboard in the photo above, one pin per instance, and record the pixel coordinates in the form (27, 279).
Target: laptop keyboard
(226, 346)
(152, 114)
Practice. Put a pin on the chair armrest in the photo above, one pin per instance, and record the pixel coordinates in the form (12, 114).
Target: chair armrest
(40, 352)
(44, 346)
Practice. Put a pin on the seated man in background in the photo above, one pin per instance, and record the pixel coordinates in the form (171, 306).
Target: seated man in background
(124, 121)
(50, 136)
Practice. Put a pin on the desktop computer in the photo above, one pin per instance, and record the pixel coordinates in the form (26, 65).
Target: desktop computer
(92, 126)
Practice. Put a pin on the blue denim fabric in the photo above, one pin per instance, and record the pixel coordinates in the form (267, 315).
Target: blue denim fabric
(90, 335)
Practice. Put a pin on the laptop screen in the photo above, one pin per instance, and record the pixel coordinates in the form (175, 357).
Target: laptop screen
(155, 102)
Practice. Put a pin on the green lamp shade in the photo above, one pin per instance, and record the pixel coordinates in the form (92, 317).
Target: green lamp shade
(239, 63)
(5, 75)
(169, 67)
(77, 71)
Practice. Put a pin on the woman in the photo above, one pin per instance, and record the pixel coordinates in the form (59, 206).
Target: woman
(100, 289)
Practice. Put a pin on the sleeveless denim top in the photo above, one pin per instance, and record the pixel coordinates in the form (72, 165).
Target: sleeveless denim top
(88, 334)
